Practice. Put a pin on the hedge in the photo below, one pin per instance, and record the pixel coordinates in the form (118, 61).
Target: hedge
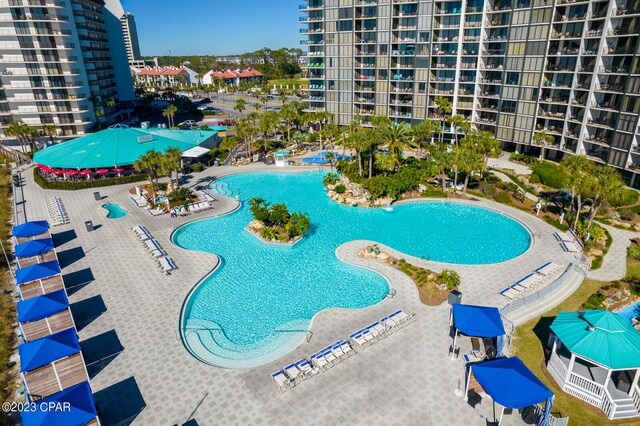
(627, 197)
(72, 186)
(551, 175)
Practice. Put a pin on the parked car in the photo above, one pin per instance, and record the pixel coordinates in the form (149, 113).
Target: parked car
(227, 123)
(189, 124)
(203, 107)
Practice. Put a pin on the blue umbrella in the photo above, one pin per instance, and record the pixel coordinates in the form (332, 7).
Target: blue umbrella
(30, 229)
(80, 412)
(34, 247)
(37, 272)
(41, 307)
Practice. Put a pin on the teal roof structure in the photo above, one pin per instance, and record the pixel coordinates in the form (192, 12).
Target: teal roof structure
(117, 146)
(600, 336)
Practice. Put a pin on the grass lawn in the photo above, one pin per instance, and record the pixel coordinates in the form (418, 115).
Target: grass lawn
(528, 342)
(633, 268)
(287, 81)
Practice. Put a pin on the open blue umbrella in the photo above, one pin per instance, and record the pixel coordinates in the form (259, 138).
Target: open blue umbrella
(42, 307)
(81, 409)
(37, 272)
(48, 349)
(30, 229)
(34, 247)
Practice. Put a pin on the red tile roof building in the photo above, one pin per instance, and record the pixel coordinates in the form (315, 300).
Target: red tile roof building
(233, 77)
(165, 76)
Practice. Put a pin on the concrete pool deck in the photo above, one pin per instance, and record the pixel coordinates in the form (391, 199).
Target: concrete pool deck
(128, 314)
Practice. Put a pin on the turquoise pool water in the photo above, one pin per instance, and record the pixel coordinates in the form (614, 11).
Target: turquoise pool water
(259, 303)
(114, 211)
(629, 312)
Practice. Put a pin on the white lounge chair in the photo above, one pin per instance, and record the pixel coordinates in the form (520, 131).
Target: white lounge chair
(528, 281)
(166, 265)
(283, 383)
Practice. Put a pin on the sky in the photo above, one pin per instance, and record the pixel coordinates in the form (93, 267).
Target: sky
(214, 27)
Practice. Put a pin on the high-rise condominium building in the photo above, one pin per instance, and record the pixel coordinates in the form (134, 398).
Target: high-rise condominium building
(130, 33)
(512, 67)
(62, 63)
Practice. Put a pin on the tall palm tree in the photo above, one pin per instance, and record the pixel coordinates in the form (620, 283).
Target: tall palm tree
(172, 161)
(246, 131)
(240, 105)
(470, 161)
(456, 121)
(289, 113)
(257, 106)
(330, 157)
(149, 162)
(487, 145)
(422, 134)
(607, 186)
(444, 107)
(396, 137)
(543, 138)
(321, 117)
(283, 98)
(578, 167)
(268, 124)
(443, 158)
(169, 112)
(50, 130)
(23, 132)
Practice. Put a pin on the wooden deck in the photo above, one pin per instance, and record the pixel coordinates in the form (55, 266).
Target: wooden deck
(45, 327)
(20, 240)
(23, 262)
(93, 422)
(39, 287)
(57, 376)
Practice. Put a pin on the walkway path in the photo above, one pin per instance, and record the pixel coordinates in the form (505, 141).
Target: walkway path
(614, 265)
(503, 162)
(503, 177)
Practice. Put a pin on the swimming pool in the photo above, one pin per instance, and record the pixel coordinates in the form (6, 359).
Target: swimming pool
(630, 312)
(114, 211)
(260, 302)
(321, 158)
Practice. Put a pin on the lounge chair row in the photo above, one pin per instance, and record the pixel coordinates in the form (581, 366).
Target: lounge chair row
(206, 196)
(199, 207)
(296, 372)
(163, 262)
(140, 201)
(541, 276)
(569, 241)
(57, 211)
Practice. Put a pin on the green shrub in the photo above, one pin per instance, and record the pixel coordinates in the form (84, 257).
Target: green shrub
(524, 158)
(180, 194)
(594, 301)
(268, 233)
(450, 278)
(534, 179)
(433, 194)
(634, 251)
(330, 179)
(98, 183)
(627, 197)
(550, 175)
(198, 167)
(340, 189)
(502, 197)
(627, 214)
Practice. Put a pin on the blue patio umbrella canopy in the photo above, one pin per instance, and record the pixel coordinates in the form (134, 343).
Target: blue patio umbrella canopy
(478, 321)
(51, 348)
(42, 307)
(510, 383)
(30, 229)
(34, 247)
(82, 408)
(37, 272)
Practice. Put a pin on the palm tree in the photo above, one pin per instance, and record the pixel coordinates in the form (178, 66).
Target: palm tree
(240, 105)
(470, 161)
(253, 117)
(169, 112)
(456, 121)
(50, 130)
(268, 123)
(385, 162)
(264, 103)
(289, 113)
(151, 162)
(329, 132)
(257, 106)
(330, 157)
(578, 168)
(396, 137)
(607, 185)
(543, 138)
(321, 117)
(443, 107)
(23, 132)
(370, 139)
(283, 98)
(422, 133)
(443, 158)
(246, 131)
(172, 161)
(487, 145)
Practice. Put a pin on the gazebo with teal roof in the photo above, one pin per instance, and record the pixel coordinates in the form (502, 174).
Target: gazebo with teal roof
(120, 146)
(595, 356)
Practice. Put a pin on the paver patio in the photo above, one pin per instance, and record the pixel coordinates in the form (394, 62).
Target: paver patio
(142, 373)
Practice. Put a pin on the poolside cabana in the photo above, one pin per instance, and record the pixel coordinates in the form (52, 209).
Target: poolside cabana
(44, 315)
(478, 322)
(595, 356)
(281, 158)
(511, 384)
(35, 251)
(82, 410)
(51, 364)
(39, 279)
(35, 230)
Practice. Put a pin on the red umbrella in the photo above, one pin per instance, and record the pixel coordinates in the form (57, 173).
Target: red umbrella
(71, 172)
(102, 171)
(85, 172)
(118, 169)
(57, 171)
(46, 169)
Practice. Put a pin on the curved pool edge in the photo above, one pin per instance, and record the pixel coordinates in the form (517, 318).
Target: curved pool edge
(296, 342)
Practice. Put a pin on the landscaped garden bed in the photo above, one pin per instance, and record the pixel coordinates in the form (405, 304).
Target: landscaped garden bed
(273, 223)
